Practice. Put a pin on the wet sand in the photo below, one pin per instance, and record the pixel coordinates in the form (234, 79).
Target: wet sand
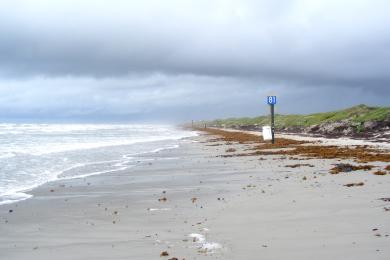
(200, 201)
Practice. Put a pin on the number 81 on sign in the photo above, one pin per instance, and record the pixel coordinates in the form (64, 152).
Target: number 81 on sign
(271, 100)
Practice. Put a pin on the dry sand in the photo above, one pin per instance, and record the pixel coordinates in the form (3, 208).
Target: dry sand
(194, 204)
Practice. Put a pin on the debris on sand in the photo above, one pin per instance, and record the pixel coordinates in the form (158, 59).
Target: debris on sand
(209, 247)
(156, 209)
(164, 253)
(203, 245)
(346, 167)
(249, 186)
(380, 173)
(194, 199)
(299, 165)
(199, 238)
(230, 150)
(163, 199)
(228, 136)
(385, 199)
(359, 153)
(354, 184)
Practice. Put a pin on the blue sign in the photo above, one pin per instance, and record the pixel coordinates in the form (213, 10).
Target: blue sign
(271, 100)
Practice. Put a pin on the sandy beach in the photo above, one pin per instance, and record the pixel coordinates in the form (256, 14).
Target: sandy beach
(206, 200)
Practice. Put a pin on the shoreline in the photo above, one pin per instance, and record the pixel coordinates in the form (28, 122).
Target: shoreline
(19, 194)
(199, 202)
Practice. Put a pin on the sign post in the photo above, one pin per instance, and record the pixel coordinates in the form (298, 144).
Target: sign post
(271, 100)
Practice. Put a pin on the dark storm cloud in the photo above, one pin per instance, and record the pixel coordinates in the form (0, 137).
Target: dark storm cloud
(147, 57)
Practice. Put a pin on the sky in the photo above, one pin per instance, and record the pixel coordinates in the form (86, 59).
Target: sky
(178, 60)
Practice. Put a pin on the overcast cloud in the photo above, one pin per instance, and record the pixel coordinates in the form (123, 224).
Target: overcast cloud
(180, 60)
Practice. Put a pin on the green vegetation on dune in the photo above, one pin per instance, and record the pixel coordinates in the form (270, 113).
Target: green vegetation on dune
(356, 114)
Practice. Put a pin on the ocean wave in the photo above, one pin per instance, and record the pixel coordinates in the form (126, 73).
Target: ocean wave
(45, 139)
(13, 197)
(35, 159)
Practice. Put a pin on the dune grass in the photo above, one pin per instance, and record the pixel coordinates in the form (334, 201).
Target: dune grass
(356, 114)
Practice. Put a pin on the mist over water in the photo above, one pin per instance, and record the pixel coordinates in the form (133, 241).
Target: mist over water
(33, 154)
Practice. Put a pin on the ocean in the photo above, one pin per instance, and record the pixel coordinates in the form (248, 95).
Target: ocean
(34, 154)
